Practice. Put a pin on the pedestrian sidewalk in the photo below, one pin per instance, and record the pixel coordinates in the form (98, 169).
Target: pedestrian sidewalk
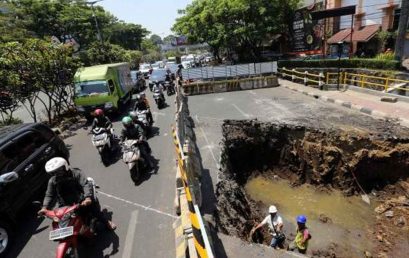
(362, 102)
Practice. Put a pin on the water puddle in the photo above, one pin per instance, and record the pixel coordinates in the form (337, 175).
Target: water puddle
(347, 212)
(351, 217)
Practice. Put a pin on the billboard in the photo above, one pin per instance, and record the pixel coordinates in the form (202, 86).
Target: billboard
(306, 33)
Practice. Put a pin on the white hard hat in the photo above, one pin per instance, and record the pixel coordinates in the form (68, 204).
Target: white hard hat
(55, 164)
(272, 209)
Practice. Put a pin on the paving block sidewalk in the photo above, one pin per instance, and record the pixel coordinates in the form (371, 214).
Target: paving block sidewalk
(363, 102)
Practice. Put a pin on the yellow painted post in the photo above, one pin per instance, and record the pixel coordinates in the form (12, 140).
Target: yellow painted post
(345, 77)
(327, 78)
(386, 84)
(362, 81)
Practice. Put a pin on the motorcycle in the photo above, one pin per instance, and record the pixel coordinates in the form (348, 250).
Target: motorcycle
(170, 88)
(101, 140)
(132, 157)
(143, 118)
(159, 99)
(67, 227)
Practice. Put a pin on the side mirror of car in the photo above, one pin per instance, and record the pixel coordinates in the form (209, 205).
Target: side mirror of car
(8, 178)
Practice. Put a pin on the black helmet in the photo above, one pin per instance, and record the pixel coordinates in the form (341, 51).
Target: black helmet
(180, 66)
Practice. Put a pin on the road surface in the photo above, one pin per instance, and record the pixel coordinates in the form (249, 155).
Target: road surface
(144, 213)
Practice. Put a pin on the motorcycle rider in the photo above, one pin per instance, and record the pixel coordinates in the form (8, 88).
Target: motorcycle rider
(142, 104)
(135, 119)
(157, 87)
(102, 121)
(179, 74)
(69, 186)
(136, 132)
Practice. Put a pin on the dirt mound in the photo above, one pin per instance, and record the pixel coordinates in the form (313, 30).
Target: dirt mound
(350, 161)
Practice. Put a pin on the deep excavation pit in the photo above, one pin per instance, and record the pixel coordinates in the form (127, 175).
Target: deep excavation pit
(320, 173)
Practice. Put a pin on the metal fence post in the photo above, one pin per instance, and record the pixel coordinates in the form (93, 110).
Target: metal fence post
(305, 78)
(320, 79)
(386, 84)
(293, 76)
(248, 66)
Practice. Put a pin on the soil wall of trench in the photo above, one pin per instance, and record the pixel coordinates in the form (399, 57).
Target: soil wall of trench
(335, 159)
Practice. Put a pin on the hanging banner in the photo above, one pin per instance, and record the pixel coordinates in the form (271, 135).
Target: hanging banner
(306, 33)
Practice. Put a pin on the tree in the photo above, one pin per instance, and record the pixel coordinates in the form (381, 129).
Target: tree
(127, 35)
(170, 39)
(157, 40)
(235, 25)
(402, 29)
(35, 67)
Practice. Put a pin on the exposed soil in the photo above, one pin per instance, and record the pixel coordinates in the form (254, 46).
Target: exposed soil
(348, 160)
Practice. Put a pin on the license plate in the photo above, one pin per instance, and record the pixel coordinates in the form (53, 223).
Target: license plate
(61, 233)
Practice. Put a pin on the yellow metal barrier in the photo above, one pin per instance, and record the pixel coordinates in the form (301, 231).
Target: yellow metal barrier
(197, 229)
(305, 76)
(361, 80)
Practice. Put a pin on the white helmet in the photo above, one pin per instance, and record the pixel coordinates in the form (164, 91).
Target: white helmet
(272, 209)
(56, 164)
(142, 94)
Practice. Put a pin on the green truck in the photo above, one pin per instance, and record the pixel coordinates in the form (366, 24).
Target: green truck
(108, 87)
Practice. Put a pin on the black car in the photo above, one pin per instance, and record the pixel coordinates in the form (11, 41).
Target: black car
(158, 75)
(24, 150)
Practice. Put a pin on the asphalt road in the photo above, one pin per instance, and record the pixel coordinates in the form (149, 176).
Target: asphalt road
(279, 105)
(144, 213)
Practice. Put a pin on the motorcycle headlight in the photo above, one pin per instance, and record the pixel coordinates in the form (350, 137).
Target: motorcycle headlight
(80, 109)
(108, 105)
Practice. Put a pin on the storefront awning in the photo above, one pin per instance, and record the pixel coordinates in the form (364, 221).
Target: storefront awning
(363, 35)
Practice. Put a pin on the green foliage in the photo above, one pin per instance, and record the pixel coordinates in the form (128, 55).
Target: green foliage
(157, 40)
(343, 63)
(48, 18)
(173, 53)
(38, 66)
(239, 25)
(169, 39)
(127, 35)
(385, 56)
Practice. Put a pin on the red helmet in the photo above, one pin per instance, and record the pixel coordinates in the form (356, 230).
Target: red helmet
(99, 112)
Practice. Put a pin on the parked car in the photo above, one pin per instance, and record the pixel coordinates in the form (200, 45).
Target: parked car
(24, 150)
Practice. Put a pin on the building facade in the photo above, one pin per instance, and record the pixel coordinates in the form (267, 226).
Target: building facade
(372, 26)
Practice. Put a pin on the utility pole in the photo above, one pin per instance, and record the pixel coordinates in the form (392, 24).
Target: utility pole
(99, 34)
(403, 26)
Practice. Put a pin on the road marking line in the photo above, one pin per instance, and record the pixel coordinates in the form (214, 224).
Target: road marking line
(130, 235)
(158, 113)
(147, 208)
(208, 143)
(241, 111)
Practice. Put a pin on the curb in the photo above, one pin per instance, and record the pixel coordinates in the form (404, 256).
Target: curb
(365, 110)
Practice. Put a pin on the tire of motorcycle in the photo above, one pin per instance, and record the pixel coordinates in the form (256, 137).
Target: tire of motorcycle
(136, 173)
(72, 253)
(6, 233)
(104, 155)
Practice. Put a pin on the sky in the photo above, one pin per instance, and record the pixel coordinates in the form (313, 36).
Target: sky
(157, 16)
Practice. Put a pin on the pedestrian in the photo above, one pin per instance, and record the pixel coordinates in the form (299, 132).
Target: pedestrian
(275, 224)
(302, 237)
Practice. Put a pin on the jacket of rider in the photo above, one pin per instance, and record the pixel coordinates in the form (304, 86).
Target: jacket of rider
(67, 190)
(134, 132)
(141, 105)
(101, 122)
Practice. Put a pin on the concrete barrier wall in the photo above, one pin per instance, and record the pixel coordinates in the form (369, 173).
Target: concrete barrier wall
(208, 87)
(191, 235)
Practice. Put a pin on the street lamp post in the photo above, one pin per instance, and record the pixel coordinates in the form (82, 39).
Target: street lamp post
(340, 50)
(99, 34)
